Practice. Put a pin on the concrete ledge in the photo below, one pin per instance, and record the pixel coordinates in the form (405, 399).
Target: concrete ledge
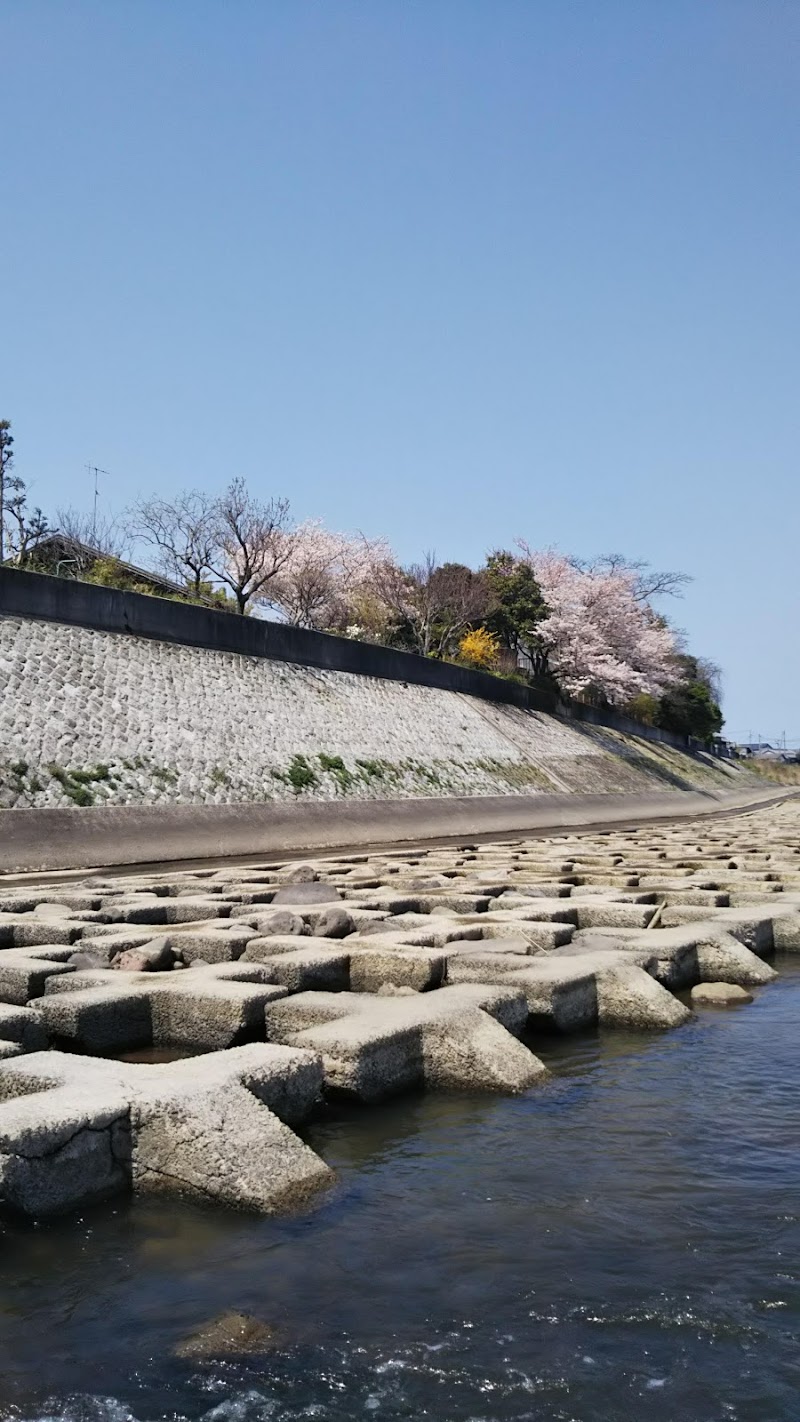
(55, 839)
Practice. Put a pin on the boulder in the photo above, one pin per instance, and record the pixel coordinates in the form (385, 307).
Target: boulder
(87, 960)
(154, 957)
(333, 923)
(299, 874)
(283, 924)
(720, 994)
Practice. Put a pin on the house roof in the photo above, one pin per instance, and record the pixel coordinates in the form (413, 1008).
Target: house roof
(63, 542)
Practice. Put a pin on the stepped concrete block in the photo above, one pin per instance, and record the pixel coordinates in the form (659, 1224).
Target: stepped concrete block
(611, 915)
(375, 1047)
(309, 968)
(97, 1019)
(192, 1008)
(629, 997)
(28, 931)
(211, 945)
(372, 967)
(23, 1027)
(62, 1148)
(73, 1130)
(23, 977)
(723, 959)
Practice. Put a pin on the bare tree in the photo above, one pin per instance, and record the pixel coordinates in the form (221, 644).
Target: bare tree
(107, 535)
(185, 533)
(647, 582)
(436, 603)
(711, 674)
(253, 542)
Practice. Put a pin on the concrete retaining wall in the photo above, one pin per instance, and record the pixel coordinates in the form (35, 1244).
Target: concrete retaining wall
(111, 700)
(78, 839)
(93, 718)
(38, 596)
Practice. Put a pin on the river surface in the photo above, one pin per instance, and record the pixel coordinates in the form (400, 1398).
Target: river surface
(621, 1243)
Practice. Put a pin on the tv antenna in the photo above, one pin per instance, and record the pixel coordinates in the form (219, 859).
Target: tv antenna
(93, 469)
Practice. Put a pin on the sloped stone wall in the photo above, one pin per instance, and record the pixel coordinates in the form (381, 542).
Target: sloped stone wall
(91, 717)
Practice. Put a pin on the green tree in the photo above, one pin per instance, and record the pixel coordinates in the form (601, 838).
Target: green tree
(691, 707)
(517, 608)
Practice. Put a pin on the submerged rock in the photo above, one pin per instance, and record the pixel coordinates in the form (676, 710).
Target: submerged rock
(720, 994)
(231, 1335)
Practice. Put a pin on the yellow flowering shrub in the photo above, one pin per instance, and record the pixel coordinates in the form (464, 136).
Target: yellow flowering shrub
(480, 649)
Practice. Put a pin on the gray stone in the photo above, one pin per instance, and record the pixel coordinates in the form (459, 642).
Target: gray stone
(333, 923)
(154, 957)
(720, 994)
(283, 923)
(88, 959)
(298, 874)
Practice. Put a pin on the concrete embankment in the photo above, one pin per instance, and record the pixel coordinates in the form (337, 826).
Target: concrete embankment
(132, 701)
(54, 839)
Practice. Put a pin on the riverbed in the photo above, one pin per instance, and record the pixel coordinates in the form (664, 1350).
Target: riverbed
(622, 1242)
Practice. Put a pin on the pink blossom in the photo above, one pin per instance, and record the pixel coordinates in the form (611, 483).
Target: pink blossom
(600, 637)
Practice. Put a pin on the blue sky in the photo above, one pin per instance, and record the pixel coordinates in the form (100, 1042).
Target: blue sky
(449, 270)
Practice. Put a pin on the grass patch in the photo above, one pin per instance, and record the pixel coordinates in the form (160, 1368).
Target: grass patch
(336, 767)
(778, 771)
(520, 774)
(301, 775)
(77, 784)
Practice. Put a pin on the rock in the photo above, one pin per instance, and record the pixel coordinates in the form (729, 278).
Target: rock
(283, 923)
(333, 923)
(155, 957)
(720, 994)
(299, 874)
(86, 960)
(307, 893)
(231, 1335)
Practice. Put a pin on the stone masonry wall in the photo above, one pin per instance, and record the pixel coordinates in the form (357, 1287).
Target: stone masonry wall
(89, 717)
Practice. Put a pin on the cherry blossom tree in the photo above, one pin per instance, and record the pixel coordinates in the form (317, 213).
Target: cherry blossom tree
(603, 639)
(327, 581)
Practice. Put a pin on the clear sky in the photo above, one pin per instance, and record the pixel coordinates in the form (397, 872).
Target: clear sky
(449, 270)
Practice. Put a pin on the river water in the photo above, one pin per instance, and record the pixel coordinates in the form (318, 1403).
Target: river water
(621, 1243)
